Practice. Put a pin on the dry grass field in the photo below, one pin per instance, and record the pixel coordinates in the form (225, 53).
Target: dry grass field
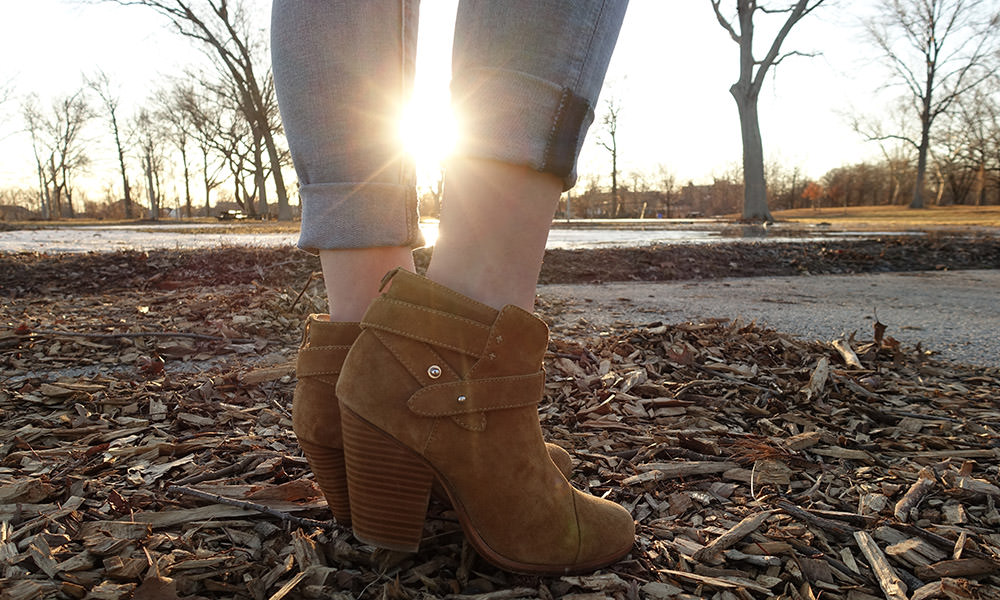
(894, 217)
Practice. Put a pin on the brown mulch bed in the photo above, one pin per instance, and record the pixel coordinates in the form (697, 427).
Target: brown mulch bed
(34, 273)
(932, 252)
(756, 465)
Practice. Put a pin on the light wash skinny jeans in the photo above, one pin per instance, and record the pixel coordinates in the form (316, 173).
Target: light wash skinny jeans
(525, 77)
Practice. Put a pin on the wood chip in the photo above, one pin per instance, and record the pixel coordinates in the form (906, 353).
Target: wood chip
(660, 471)
(736, 533)
(892, 586)
(963, 567)
(925, 482)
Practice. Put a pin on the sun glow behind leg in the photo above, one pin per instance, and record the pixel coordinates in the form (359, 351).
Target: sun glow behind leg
(428, 131)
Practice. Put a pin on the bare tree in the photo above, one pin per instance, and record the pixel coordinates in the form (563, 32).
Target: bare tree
(978, 113)
(226, 140)
(963, 147)
(33, 124)
(992, 113)
(668, 186)
(150, 137)
(100, 83)
(608, 139)
(205, 118)
(860, 184)
(746, 90)
(952, 146)
(178, 129)
(59, 148)
(15, 203)
(235, 43)
(897, 153)
(639, 193)
(240, 149)
(938, 50)
(430, 199)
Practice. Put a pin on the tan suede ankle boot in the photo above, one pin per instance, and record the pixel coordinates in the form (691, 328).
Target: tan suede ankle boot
(441, 387)
(316, 413)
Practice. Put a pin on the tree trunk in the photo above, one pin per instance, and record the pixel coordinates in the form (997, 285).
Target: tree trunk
(614, 178)
(55, 198)
(121, 165)
(284, 210)
(159, 194)
(208, 185)
(244, 198)
(187, 183)
(260, 123)
(129, 211)
(43, 186)
(940, 184)
(925, 141)
(896, 184)
(979, 196)
(43, 191)
(754, 186)
(69, 192)
(128, 192)
(918, 184)
(259, 181)
(151, 189)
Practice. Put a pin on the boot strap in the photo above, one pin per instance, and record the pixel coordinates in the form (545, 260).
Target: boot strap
(320, 360)
(478, 395)
(424, 324)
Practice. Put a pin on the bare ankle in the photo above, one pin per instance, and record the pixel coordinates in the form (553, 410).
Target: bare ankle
(353, 277)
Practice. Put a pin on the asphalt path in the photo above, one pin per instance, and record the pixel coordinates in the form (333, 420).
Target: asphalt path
(954, 314)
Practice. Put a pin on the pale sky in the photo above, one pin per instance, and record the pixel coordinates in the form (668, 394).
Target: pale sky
(671, 71)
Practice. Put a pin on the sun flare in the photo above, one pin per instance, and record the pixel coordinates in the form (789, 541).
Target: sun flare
(428, 131)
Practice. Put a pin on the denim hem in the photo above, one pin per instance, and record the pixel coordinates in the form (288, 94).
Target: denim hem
(517, 118)
(358, 215)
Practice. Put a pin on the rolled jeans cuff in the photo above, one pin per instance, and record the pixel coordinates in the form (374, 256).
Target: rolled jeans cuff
(517, 118)
(358, 215)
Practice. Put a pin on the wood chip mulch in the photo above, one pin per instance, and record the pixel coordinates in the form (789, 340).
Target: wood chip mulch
(146, 452)
(33, 273)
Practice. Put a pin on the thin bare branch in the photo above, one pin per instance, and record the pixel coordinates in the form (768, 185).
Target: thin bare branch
(799, 10)
(724, 22)
(778, 60)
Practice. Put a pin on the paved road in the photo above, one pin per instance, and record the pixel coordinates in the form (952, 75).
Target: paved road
(955, 313)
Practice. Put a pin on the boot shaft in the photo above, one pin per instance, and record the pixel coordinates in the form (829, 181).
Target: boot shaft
(481, 340)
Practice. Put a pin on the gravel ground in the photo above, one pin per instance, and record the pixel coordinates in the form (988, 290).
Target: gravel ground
(953, 313)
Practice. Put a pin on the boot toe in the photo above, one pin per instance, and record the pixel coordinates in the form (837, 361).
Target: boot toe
(607, 532)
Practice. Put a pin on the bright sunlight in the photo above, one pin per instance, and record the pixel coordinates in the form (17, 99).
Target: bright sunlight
(428, 130)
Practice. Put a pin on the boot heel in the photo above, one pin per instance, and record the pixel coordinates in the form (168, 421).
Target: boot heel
(327, 465)
(389, 486)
